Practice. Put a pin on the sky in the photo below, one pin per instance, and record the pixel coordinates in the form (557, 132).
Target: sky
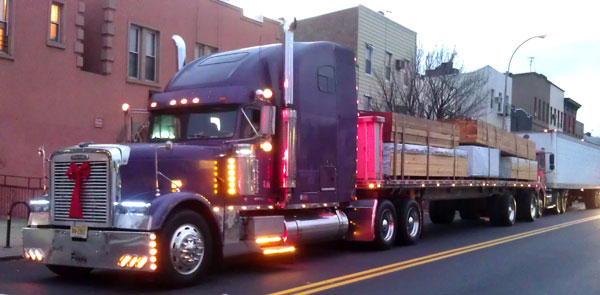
(487, 32)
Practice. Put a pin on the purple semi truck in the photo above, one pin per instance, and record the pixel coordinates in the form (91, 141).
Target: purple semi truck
(252, 150)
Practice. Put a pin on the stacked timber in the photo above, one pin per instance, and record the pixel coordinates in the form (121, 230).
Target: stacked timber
(423, 161)
(420, 148)
(517, 159)
(518, 168)
(479, 133)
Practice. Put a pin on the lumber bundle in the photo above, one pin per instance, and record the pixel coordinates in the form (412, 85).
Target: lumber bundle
(408, 160)
(477, 132)
(401, 128)
(517, 168)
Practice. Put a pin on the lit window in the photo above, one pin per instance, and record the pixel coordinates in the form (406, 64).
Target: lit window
(369, 59)
(204, 50)
(143, 54)
(55, 22)
(4, 26)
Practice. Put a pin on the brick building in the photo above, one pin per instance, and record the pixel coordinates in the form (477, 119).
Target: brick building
(67, 66)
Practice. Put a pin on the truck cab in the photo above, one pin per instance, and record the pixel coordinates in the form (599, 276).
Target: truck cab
(252, 150)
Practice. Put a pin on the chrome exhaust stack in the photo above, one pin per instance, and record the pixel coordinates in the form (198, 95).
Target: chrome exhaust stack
(180, 44)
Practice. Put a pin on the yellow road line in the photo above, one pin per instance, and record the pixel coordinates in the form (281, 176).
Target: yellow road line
(378, 271)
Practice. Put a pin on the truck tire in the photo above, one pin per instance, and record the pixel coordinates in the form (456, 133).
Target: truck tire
(592, 200)
(409, 222)
(185, 248)
(71, 272)
(441, 212)
(540, 205)
(527, 206)
(468, 210)
(385, 225)
(564, 203)
(503, 210)
(557, 198)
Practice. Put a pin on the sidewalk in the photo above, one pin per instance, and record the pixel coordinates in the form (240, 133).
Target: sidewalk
(16, 242)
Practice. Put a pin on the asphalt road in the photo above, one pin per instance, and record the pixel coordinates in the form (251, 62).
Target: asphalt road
(554, 255)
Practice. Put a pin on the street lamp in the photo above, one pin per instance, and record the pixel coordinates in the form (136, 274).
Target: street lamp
(506, 80)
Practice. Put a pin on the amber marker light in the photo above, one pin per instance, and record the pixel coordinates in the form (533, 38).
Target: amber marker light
(183, 101)
(125, 107)
(153, 266)
(266, 146)
(266, 240)
(153, 251)
(231, 179)
(153, 104)
(371, 185)
(279, 251)
(176, 185)
(267, 93)
(196, 100)
(152, 244)
(173, 102)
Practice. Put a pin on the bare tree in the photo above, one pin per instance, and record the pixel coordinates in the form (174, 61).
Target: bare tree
(402, 92)
(449, 92)
(429, 86)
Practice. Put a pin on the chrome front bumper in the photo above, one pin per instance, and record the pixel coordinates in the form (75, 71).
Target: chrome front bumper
(102, 248)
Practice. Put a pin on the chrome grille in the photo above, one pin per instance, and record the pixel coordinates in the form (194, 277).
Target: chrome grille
(94, 196)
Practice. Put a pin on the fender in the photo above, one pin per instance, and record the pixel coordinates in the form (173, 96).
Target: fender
(162, 206)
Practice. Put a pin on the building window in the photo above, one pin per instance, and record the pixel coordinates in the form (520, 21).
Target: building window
(492, 99)
(499, 102)
(535, 108)
(4, 26)
(56, 11)
(368, 102)
(369, 60)
(204, 50)
(143, 54)
(388, 66)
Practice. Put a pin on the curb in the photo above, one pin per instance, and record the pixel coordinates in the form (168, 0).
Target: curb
(10, 258)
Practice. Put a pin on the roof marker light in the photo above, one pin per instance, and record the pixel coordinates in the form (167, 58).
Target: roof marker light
(173, 102)
(267, 93)
(184, 101)
(125, 107)
(153, 104)
(196, 100)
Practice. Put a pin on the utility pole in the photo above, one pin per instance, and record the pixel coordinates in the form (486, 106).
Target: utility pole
(531, 58)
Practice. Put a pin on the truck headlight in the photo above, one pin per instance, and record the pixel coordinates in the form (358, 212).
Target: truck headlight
(39, 205)
(132, 207)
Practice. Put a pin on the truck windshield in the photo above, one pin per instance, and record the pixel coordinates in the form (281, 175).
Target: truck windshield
(205, 123)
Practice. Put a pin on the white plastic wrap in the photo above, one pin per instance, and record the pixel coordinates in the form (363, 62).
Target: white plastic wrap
(483, 161)
(509, 167)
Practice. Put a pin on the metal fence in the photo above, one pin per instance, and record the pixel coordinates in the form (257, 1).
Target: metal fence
(18, 188)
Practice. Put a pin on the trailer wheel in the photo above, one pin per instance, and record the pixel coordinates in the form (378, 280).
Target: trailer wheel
(540, 205)
(71, 272)
(468, 210)
(441, 212)
(409, 222)
(503, 210)
(527, 206)
(563, 203)
(557, 198)
(385, 225)
(592, 200)
(185, 248)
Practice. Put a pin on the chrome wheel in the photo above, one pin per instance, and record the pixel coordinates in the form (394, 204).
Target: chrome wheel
(533, 208)
(413, 222)
(387, 225)
(511, 211)
(187, 249)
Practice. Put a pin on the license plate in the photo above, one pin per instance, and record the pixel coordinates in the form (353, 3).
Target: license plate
(79, 231)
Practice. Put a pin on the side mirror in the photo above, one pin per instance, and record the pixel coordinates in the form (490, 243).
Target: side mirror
(267, 120)
(552, 162)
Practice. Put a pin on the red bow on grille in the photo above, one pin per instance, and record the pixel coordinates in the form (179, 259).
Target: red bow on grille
(77, 173)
